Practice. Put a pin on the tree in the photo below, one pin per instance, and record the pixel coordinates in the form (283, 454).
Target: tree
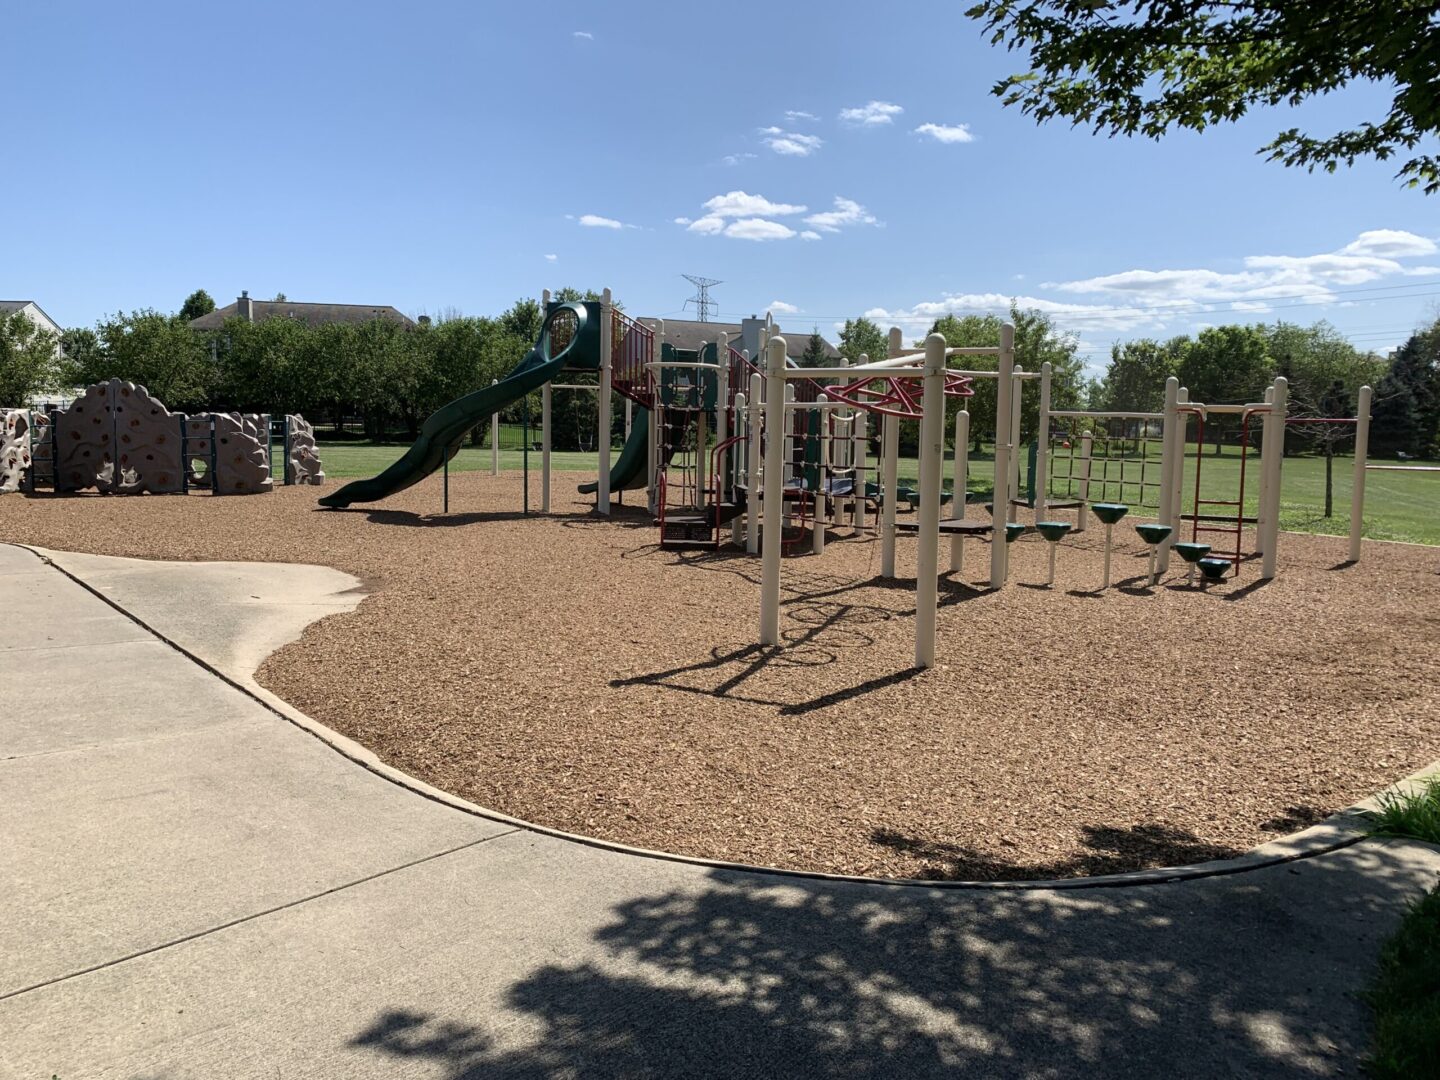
(861, 336)
(815, 354)
(1406, 415)
(1226, 365)
(1148, 66)
(196, 304)
(279, 298)
(1037, 342)
(27, 359)
(1135, 378)
(158, 352)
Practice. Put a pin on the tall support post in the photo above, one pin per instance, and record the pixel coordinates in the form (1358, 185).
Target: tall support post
(607, 330)
(932, 465)
(494, 439)
(1275, 445)
(862, 452)
(1357, 480)
(1042, 444)
(1169, 441)
(822, 503)
(1260, 530)
(962, 478)
(1087, 450)
(722, 409)
(1017, 400)
(1181, 427)
(889, 467)
(655, 432)
(546, 395)
(774, 491)
(1004, 386)
(753, 454)
(629, 417)
(740, 470)
(889, 491)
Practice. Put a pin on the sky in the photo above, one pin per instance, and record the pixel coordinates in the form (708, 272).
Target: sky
(819, 161)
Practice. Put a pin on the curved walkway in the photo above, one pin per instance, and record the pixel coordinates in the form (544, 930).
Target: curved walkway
(193, 886)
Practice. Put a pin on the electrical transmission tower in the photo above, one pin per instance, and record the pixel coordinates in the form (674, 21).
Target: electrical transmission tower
(703, 304)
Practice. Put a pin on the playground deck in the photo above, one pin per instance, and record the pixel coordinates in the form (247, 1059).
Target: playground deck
(566, 671)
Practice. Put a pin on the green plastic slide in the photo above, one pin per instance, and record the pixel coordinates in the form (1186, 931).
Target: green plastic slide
(628, 471)
(443, 433)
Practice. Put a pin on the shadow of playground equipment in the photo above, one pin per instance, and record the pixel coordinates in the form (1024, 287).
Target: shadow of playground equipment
(747, 976)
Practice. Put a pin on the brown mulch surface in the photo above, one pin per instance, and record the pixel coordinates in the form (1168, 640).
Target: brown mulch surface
(566, 671)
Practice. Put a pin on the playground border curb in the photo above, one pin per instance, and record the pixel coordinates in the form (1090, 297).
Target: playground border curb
(1342, 829)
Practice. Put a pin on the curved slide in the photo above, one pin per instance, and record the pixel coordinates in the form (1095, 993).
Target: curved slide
(628, 472)
(443, 433)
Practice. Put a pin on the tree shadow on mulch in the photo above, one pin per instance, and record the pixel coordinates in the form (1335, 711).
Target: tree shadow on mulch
(827, 631)
(737, 975)
(1111, 850)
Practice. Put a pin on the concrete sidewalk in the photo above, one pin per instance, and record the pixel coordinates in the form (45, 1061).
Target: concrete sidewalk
(195, 887)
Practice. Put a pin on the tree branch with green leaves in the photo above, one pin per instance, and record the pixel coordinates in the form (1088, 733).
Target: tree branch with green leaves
(1146, 67)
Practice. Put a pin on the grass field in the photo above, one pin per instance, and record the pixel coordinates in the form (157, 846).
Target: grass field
(1398, 506)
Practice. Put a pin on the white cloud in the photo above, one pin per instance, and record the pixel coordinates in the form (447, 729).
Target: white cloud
(846, 212)
(1423, 271)
(551, 258)
(1172, 300)
(735, 159)
(583, 34)
(871, 114)
(743, 204)
(946, 133)
(758, 229)
(682, 221)
(794, 115)
(707, 225)
(595, 221)
(780, 307)
(791, 143)
(809, 234)
(1390, 243)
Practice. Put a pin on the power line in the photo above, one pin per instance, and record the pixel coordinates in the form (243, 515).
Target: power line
(704, 306)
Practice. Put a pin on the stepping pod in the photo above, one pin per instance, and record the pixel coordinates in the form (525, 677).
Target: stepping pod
(1214, 569)
(1192, 554)
(1154, 535)
(1109, 514)
(1053, 532)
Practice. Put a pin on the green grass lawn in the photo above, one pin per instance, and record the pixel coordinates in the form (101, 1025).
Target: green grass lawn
(1398, 506)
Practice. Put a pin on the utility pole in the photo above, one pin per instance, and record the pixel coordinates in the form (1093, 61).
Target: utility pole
(704, 306)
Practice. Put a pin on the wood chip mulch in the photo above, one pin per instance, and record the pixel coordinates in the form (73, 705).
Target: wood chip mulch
(566, 671)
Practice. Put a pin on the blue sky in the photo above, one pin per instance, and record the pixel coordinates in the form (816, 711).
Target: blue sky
(822, 162)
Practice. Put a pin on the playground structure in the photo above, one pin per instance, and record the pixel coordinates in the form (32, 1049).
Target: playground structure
(700, 445)
(115, 438)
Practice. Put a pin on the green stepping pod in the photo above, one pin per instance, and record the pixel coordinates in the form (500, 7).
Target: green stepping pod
(1214, 569)
(1014, 530)
(1191, 553)
(1153, 534)
(1109, 513)
(1053, 530)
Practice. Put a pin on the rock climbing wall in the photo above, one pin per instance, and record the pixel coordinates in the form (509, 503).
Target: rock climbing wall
(42, 450)
(302, 465)
(147, 442)
(85, 441)
(14, 448)
(242, 454)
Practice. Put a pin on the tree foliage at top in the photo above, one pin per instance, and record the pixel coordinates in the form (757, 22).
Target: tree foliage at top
(198, 303)
(815, 354)
(27, 359)
(1148, 66)
(862, 337)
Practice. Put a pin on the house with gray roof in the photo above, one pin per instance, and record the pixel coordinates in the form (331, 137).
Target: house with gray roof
(690, 335)
(311, 314)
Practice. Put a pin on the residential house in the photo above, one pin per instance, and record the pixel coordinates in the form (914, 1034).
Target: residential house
(311, 314)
